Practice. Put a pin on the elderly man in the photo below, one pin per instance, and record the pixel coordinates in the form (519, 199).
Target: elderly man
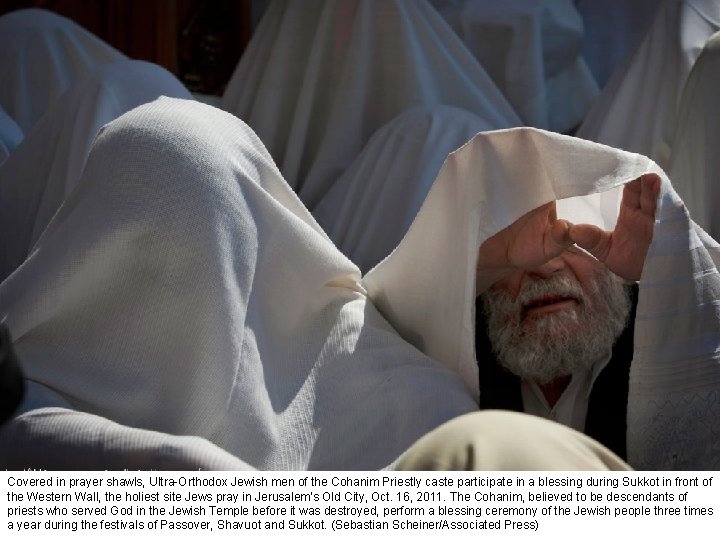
(513, 207)
(555, 331)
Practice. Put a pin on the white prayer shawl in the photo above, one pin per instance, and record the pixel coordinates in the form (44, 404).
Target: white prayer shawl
(531, 49)
(371, 206)
(612, 29)
(184, 290)
(318, 79)
(426, 287)
(637, 109)
(10, 135)
(695, 165)
(41, 55)
(48, 164)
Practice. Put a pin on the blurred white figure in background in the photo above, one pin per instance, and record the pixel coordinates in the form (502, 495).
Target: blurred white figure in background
(531, 49)
(612, 29)
(45, 168)
(41, 55)
(318, 79)
(695, 164)
(370, 207)
(637, 108)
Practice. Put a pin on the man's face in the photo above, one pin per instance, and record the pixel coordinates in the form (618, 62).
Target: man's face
(557, 318)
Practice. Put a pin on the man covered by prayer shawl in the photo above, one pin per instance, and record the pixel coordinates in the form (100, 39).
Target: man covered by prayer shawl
(182, 309)
(656, 399)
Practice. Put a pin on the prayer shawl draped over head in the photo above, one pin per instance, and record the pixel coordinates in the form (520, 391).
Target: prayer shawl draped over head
(531, 49)
(41, 55)
(695, 165)
(637, 108)
(47, 165)
(184, 291)
(426, 287)
(318, 79)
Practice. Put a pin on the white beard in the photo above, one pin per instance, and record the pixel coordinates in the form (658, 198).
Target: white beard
(559, 343)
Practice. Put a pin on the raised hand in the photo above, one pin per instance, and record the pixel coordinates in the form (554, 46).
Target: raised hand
(623, 250)
(539, 236)
(530, 241)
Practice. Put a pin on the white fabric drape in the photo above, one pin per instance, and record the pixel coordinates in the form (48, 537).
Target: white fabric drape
(47, 165)
(426, 287)
(695, 164)
(637, 108)
(318, 79)
(184, 289)
(531, 49)
(371, 206)
(41, 55)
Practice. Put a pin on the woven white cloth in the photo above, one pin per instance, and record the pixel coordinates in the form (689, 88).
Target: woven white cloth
(636, 110)
(695, 163)
(48, 164)
(184, 289)
(426, 287)
(531, 49)
(318, 79)
(41, 55)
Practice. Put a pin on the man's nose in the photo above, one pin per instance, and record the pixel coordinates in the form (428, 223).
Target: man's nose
(549, 268)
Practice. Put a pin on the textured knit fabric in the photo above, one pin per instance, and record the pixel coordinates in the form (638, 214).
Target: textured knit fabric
(318, 79)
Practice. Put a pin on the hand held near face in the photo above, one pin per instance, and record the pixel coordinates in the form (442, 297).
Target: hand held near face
(539, 236)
